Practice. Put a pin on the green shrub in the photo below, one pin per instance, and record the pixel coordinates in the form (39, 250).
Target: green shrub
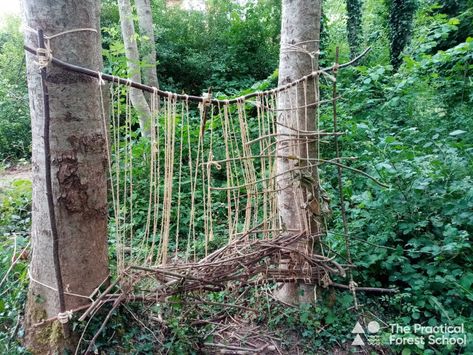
(15, 132)
(15, 220)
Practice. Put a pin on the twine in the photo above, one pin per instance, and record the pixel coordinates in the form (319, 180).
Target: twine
(63, 318)
(45, 55)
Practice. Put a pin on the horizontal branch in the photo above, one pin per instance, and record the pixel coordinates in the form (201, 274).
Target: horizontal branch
(162, 93)
(365, 289)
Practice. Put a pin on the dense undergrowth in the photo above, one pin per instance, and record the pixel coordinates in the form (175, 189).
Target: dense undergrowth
(410, 128)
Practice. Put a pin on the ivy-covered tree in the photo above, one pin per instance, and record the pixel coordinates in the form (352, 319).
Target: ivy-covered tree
(354, 26)
(401, 14)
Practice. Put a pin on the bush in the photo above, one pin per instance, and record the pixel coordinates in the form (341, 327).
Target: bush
(15, 132)
(15, 212)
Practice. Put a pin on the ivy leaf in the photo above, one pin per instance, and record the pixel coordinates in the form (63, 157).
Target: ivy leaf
(457, 132)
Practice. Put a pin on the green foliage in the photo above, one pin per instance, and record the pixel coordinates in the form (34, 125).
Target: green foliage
(228, 47)
(411, 131)
(407, 120)
(15, 212)
(15, 133)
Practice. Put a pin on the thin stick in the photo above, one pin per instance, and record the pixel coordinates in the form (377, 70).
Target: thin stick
(49, 188)
(300, 134)
(14, 262)
(104, 323)
(98, 300)
(340, 183)
(226, 305)
(174, 274)
(365, 289)
(112, 78)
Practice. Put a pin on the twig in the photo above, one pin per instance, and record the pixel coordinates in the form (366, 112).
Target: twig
(49, 189)
(104, 323)
(18, 258)
(239, 348)
(365, 289)
(226, 305)
(102, 295)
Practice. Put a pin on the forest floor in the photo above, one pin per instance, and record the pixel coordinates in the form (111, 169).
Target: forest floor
(10, 174)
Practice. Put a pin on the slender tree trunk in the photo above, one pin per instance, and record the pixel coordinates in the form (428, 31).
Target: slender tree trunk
(354, 26)
(401, 15)
(79, 166)
(300, 34)
(133, 59)
(145, 21)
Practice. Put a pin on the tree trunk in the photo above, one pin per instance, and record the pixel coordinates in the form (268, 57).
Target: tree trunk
(401, 15)
(300, 34)
(133, 62)
(145, 21)
(354, 26)
(78, 164)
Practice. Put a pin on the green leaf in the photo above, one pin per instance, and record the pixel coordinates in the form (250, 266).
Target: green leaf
(454, 21)
(406, 351)
(456, 132)
(467, 280)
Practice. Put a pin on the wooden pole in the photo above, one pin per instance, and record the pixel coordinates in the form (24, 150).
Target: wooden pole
(118, 80)
(49, 186)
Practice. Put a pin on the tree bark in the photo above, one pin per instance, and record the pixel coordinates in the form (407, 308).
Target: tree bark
(401, 15)
(354, 26)
(145, 21)
(300, 35)
(137, 97)
(78, 170)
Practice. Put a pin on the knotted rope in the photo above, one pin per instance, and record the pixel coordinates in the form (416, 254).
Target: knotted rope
(45, 55)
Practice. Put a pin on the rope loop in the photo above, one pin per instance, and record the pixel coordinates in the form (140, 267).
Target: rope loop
(44, 56)
(99, 77)
(63, 318)
(352, 285)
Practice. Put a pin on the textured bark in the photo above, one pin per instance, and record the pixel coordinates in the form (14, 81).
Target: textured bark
(300, 27)
(401, 15)
(78, 168)
(133, 62)
(354, 26)
(145, 21)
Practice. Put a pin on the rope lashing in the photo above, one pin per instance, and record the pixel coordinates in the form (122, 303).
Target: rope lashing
(32, 279)
(300, 47)
(352, 286)
(63, 318)
(45, 55)
(101, 81)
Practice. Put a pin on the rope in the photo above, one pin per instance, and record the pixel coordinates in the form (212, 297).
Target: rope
(55, 289)
(225, 178)
(63, 318)
(45, 55)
